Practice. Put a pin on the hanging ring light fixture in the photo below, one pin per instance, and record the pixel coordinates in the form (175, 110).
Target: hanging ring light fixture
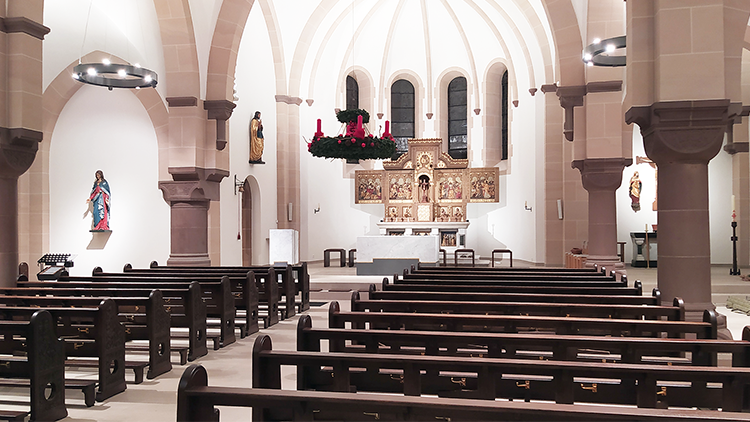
(112, 75)
(599, 53)
(115, 75)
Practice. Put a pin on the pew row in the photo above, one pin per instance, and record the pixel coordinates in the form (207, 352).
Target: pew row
(87, 332)
(564, 382)
(300, 276)
(676, 312)
(375, 294)
(155, 329)
(197, 401)
(185, 306)
(705, 352)
(519, 287)
(523, 323)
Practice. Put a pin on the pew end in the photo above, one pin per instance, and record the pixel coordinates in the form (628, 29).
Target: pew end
(709, 316)
(127, 267)
(333, 310)
(153, 264)
(194, 410)
(679, 303)
(96, 270)
(639, 287)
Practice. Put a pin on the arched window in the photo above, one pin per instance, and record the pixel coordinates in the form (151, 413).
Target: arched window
(402, 114)
(352, 93)
(457, 101)
(504, 115)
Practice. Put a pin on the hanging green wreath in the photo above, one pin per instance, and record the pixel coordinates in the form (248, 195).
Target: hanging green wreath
(350, 145)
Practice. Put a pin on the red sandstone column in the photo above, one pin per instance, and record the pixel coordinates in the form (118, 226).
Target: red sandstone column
(189, 196)
(681, 137)
(601, 177)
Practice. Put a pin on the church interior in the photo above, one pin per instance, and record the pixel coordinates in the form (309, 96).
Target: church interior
(586, 133)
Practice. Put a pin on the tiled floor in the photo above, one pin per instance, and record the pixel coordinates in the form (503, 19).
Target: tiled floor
(155, 400)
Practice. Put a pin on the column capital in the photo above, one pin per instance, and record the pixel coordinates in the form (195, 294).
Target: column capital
(599, 174)
(192, 184)
(688, 131)
(18, 149)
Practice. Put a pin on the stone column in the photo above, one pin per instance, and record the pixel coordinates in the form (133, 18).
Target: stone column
(189, 196)
(681, 137)
(601, 177)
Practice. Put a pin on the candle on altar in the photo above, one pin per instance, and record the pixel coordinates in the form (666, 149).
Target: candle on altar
(733, 204)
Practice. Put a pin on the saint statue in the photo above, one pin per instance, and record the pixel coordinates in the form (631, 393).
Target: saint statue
(635, 192)
(424, 189)
(100, 197)
(256, 140)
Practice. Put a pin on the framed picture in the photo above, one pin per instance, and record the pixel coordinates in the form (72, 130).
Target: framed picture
(483, 185)
(400, 186)
(449, 186)
(369, 187)
(448, 238)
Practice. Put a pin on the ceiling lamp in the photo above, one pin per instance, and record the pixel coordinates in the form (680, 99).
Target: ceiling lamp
(113, 75)
(599, 52)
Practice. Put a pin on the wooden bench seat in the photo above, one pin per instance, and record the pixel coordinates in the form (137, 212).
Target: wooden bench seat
(181, 351)
(88, 332)
(184, 305)
(204, 301)
(87, 387)
(654, 299)
(196, 401)
(563, 382)
(511, 279)
(523, 323)
(676, 312)
(155, 329)
(299, 276)
(636, 290)
(704, 352)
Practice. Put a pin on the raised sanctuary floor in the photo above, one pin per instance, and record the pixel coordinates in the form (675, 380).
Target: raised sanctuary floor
(156, 399)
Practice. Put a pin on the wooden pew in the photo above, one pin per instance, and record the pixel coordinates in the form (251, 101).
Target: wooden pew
(676, 312)
(185, 306)
(636, 290)
(299, 276)
(511, 270)
(288, 285)
(217, 295)
(41, 369)
(156, 329)
(703, 352)
(523, 323)
(243, 291)
(511, 279)
(564, 382)
(654, 299)
(500, 273)
(87, 332)
(196, 401)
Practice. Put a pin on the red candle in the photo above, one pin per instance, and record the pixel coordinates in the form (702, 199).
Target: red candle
(387, 128)
(318, 125)
(319, 133)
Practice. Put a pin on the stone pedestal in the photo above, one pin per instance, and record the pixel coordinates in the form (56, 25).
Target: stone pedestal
(189, 196)
(601, 177)
(681, 137)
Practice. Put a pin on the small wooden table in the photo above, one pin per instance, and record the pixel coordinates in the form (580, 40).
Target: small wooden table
(502, 251)
(327, 257)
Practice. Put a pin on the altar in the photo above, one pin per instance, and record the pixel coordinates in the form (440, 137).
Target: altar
(388, 255)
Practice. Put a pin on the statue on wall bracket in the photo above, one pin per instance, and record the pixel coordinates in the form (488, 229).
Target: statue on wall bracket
(100, 198)
(256, 140)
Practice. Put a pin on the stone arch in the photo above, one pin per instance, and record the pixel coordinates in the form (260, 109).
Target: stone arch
(34, 243)
(419, 95)
(566, 36)
(441, 100)
(222, 58)
(180, 52)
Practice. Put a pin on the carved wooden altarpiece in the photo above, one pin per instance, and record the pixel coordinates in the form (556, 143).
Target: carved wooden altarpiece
(426, 184)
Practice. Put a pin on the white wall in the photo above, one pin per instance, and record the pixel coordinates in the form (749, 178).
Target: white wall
(109, 131)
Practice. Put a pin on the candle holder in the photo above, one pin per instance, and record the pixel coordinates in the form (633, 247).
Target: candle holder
(735, 269)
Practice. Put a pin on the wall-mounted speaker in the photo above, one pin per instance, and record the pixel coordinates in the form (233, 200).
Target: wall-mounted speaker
(559, 209)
